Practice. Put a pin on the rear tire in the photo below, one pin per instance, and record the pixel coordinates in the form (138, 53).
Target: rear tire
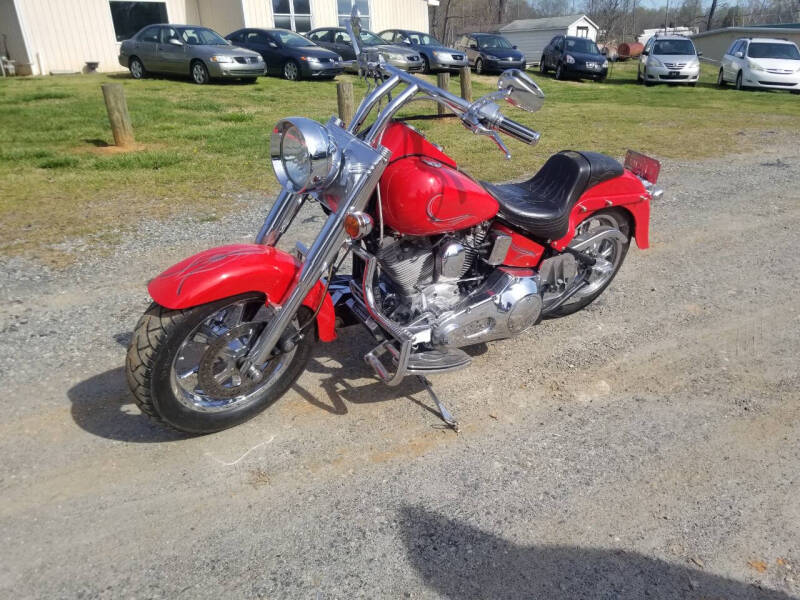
(623, 223)
(137, 68)
(160, 340)
(479, 67)
(721, 79)
(542, 68)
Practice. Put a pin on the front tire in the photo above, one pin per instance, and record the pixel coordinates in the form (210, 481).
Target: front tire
(542, 67)
(721, 79)
(291, 70)
(479, 67)
(739, 84)
(560, 72)
(199, 73)
(181, 363)
(619, 220)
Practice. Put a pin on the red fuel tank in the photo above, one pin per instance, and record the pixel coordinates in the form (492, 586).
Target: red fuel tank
(422, 193)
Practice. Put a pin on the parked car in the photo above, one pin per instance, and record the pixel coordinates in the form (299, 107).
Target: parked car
(435, 55)
(199, 52)
(761, 63)
(287, 54)
(669, 59)
(338, 40)
(571, 56)
(490, 52)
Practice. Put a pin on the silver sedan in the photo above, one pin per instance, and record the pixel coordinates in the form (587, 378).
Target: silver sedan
(198, 52)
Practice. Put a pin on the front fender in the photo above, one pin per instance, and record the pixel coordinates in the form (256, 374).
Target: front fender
(237, 269)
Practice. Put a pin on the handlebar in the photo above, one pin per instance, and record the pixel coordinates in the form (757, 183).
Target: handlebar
(517, 130)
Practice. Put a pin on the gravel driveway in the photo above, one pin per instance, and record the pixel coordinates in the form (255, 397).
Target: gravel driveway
(644, 448)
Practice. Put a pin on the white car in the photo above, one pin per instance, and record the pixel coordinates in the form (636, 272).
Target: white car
(761, 63)
(669, 59)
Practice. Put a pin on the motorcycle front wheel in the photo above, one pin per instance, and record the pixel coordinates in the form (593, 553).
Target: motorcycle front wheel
(182, 365)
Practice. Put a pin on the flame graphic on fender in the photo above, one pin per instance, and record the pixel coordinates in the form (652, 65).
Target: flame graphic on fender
(207, 262)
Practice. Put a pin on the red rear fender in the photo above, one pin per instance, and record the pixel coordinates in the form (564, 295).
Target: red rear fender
(237, 269)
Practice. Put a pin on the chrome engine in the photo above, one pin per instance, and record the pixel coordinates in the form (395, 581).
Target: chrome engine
(430, 282)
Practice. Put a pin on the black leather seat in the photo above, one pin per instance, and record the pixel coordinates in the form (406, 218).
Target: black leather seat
(541, 205)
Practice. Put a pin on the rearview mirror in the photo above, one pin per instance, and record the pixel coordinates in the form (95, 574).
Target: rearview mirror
(176, 42)
(522, 91)
(739, 55)
(699, 54)
(473, 46)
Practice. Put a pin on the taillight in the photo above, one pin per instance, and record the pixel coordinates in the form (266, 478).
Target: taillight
(643, 166)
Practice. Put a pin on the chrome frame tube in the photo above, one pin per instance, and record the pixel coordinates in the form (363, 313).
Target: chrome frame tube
(285, 208)
(370, 101)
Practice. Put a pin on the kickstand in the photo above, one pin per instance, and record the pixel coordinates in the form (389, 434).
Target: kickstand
(445, 414)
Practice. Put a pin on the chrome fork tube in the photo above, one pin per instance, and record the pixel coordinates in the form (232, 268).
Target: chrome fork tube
(366, 105)
(286, 207)
(319, 257)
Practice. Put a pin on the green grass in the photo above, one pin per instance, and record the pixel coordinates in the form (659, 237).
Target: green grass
(200, 144)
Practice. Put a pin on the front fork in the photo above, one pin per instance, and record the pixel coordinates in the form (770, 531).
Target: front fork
(362, 180)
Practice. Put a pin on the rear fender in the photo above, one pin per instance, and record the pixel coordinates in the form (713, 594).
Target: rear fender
(626, 192)
(237, 269)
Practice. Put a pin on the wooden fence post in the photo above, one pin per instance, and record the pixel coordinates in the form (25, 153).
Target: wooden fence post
(465, 77)
(344, 96)
(117, 107)
(443, 81)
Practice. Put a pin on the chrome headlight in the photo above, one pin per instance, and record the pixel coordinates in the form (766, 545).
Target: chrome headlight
(569, 59)
(304, 157)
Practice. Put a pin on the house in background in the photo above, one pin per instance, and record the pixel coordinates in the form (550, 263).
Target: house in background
(715, 42)
(62, 36)
(531, 36)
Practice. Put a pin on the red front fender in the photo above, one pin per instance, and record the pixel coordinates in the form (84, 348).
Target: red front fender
(232, 270)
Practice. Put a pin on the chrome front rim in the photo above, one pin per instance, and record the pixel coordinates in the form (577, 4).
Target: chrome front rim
(136, 69)
(290, 71)
(205, 374)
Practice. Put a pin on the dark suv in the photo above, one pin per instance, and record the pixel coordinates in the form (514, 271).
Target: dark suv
(577, 57)
(490, 52)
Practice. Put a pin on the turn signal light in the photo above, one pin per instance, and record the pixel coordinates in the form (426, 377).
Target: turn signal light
(357, 225)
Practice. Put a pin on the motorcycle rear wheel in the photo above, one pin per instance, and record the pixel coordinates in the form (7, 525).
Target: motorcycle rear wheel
(181, 364)
(612, 217)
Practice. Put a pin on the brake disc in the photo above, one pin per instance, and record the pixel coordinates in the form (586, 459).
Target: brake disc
(218, 372)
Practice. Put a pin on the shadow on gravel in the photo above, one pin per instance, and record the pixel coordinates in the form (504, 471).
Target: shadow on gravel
(459, 561)
(103, 405)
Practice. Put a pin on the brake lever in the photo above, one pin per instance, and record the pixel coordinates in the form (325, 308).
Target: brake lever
(497, 140)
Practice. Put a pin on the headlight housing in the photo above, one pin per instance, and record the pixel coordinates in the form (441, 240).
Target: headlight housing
(654, 62)
(605, 64)
(304, 157)
(491, 57)
(221, 58)
(754, 66)
(569, 59)
(394, 56)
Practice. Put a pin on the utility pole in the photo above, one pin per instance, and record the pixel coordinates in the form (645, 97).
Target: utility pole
(666, 17)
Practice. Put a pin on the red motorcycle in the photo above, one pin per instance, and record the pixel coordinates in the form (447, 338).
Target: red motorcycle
(440, 261)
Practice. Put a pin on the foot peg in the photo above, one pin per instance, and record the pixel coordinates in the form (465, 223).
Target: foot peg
(445, 414)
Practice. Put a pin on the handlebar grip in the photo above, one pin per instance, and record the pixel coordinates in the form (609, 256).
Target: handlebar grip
(517, 131)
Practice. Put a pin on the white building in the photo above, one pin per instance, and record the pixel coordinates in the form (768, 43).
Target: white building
(646, 34)
(532, 35)
(52, 36)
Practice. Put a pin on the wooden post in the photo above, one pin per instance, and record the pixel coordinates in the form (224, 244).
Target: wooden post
(465, 76)
(344, 96)
(443, 81)
(118, 116)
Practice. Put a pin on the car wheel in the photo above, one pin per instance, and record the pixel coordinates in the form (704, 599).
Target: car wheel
(479, 66)
(291, 71)
(739, 84)
(200, 73)
(426, 64)
(542, 67)
(137, 68)
(720, 79)
(560, 72)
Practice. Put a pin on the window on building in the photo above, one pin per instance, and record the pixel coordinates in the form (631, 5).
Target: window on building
(345, 7)
(130, 17)
(292, 14)
(583, 31)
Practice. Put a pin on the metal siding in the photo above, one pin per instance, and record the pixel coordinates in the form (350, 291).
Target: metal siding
(391, 14)
(258, 13)
(531, 43)
(67, 33)
(223, 16)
